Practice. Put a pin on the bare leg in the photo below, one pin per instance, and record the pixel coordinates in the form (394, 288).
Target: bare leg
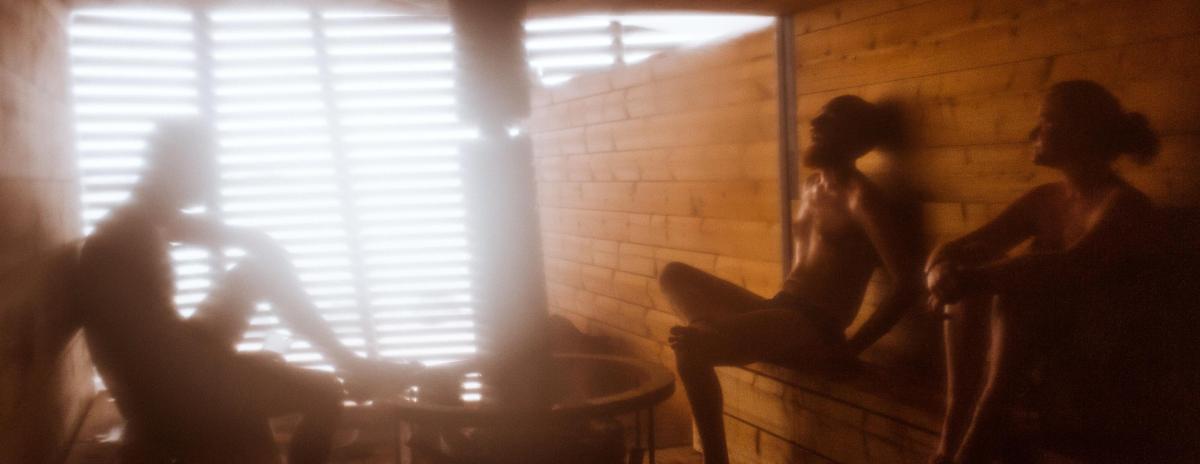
(699, 297)
(1010, 340)
(272, 278)
(727, 327)
(276, 389)
(704, 396)
(966, 342)
(225, 313)
(261, 387)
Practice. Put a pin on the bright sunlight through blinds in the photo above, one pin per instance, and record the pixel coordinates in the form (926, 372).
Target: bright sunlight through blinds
(337, 135)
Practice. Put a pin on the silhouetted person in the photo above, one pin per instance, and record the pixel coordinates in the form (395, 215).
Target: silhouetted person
(181, 385)
(1002, 311)
(844, 229)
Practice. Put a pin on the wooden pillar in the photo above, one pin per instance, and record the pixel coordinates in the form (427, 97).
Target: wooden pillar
(493, 89)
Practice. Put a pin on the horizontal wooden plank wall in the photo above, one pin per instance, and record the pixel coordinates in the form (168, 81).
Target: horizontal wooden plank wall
(969, 75)
(675, 160)
(672, 159)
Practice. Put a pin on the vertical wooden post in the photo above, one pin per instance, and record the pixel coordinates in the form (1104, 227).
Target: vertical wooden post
(493, 81)
(358, 267)
(206, 103)
(617, 32)
(789, 139)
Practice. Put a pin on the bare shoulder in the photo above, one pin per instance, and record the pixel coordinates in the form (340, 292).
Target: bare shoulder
(1130, 195)
(865, 197)
(116, 235)
(1128, 200)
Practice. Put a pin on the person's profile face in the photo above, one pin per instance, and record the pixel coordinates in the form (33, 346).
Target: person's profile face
(836, 134)
(1054, 139)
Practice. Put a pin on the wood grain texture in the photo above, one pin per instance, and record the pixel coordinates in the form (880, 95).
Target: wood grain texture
(672, 159)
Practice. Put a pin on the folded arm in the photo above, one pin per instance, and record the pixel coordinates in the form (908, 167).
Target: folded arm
(954, 268)
(1112, 236)
(992, 240)
(279, 280)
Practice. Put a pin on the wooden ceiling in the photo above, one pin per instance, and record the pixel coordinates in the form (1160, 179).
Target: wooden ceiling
(543, 8)
(536, 8)
(766, 7)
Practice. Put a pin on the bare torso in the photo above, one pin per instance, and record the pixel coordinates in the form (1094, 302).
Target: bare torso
(834, 258)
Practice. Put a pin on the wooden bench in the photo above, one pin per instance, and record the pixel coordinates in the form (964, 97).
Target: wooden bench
(886, 409)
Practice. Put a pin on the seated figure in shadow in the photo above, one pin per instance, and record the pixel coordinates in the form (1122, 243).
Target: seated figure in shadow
(184, 390)
(845, 228)
(1002, 313)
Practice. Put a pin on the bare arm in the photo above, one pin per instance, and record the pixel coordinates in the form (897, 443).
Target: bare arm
(951, 268)
(899, 262)
(802, 224)
(1111, 237)
(1011, 227)
(283, 288)
(205, 231)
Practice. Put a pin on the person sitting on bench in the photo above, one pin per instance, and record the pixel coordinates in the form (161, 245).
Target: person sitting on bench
(184, 390)
(846, 227)
(1083, 231)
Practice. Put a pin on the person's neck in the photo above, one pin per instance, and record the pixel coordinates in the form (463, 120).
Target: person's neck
(153, 205)
(1087, 182)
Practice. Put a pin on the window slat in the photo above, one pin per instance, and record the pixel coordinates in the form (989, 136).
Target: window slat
(337, 135)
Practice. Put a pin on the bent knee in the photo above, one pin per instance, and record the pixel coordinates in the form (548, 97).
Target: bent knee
(249, 273)
(676, 274)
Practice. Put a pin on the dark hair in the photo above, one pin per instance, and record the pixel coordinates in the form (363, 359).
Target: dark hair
(880, 122)
(892, 133)
(1102, 119)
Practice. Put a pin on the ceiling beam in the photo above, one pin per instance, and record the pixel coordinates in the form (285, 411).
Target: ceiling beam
(536, 8)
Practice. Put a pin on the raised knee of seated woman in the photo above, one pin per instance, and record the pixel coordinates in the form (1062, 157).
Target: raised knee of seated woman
(675, 276)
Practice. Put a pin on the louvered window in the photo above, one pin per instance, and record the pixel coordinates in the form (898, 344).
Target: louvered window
(561, 48)
(337, 135)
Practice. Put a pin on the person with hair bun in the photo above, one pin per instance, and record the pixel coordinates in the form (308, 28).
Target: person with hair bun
(1002, 312)
(846, 227)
